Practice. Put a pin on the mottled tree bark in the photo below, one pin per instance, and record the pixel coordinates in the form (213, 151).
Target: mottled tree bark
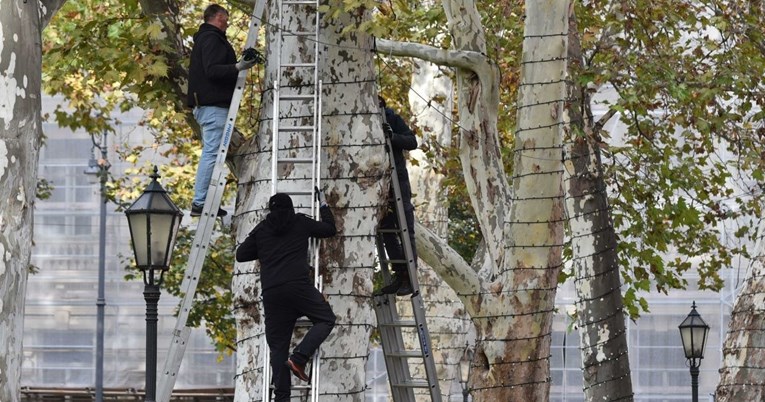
(599, 309)
(743, 365)
(21, 24)
(511, 297)
(352, 174)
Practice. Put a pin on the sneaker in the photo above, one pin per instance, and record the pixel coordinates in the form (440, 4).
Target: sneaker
(297, 369)
(406, 287)
(196, 210)
(394, 285)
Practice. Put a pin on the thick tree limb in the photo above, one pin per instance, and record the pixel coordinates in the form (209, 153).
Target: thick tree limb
(48, 9)
(464, 59)
(449, 265)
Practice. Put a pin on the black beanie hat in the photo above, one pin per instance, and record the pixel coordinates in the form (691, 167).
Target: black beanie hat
(280, 201)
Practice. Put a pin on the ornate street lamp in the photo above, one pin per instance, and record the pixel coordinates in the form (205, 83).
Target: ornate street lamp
(693, 332)
(154, 221)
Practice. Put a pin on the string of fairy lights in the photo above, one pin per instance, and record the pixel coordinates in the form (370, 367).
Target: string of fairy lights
(546, 153)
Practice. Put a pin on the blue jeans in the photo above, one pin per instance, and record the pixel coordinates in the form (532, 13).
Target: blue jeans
(212, 120)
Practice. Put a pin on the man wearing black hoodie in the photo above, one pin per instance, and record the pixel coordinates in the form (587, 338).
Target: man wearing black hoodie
(280, 242)
(212, 77)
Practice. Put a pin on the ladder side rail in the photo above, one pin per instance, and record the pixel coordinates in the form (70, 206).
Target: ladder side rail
(416, 299)
(406, 242)
(266, 386)
(275, 138)
(418, 309)
(391, 337)
(167, 377)
(267, 374)
(417, 305)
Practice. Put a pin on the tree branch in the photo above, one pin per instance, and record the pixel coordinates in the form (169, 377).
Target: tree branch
(449, 265)
(465, 59)
(48, 9)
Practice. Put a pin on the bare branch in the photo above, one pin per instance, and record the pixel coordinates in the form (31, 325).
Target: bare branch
(449, 265)
(464, 59)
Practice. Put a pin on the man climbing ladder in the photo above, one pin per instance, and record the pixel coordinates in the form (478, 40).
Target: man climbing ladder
(209, 213)
(397, 356)
(280, 242)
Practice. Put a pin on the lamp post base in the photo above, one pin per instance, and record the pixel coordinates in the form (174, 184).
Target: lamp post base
(695, 383)
(151, 295)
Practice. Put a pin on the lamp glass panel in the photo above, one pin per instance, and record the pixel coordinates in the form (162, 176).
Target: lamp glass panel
(699, 338)
(160, 202)
(139, 232)
(173, 236)
(685, 334)
(161, 228)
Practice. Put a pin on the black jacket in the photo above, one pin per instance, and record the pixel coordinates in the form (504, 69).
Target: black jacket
(284, 257)
(212, 71)
(403, 138)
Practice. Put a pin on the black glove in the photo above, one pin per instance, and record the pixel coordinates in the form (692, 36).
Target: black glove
(250, 54)
(388, 130)
(250, 57)
(320, 198)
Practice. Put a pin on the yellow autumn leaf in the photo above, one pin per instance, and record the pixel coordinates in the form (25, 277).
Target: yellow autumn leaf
(154, 31)
(157, 69)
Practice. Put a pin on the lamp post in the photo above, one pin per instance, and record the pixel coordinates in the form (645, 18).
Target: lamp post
(100, 168)
(153, 221)
(464, 367)
(693, 332)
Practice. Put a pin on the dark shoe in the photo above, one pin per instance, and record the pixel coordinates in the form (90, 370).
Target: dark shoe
(394, 285)
(297, 369)
(406, 287)
(196, 210)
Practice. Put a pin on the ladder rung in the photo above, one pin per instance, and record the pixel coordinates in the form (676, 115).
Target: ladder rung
(298, 33)
(394, 261)
(299, 2)
(294, 160)
(399, 323)
(296, 128)
(412, 384)
(296, 192)
(296, 97)
(303, 322)
(301, 387)
(405, 353)
(286, 65)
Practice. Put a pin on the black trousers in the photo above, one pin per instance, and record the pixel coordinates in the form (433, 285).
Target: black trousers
(282, 306)
(393, 244)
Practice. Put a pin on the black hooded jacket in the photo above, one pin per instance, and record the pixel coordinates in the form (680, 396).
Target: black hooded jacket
(212, 71)
(403, 138)
(280, 242)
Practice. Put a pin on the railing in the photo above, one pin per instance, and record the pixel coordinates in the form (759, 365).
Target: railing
(34, 394)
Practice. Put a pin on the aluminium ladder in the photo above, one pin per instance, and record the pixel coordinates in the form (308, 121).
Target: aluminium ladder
(199, 247)
(296, 165)
(397, 356)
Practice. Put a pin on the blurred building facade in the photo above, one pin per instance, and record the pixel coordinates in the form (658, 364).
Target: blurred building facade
(60, 322)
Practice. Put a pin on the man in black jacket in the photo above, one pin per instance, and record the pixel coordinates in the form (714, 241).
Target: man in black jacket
(212, 77)
(280, 242)
(402, 138)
